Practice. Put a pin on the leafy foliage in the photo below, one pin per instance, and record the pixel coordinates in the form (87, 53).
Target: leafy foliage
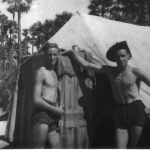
(41, 32)
(100, 7)
(7, 85)
(19, 6)
(61, 19)
(130, 11)
(138, 9)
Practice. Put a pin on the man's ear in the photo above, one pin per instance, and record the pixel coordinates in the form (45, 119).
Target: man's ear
(129, 56)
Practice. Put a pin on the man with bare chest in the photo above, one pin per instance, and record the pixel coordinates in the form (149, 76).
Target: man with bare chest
(46, 113)
(125, 82)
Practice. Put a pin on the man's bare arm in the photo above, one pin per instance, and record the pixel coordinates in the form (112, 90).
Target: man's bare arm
(37, 95)
(142, 76)
(146, 79)
(87, 65)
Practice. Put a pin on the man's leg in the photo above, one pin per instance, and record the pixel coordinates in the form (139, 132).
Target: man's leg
(135, 132)
(121, 138)
(40, 135)
(54, 140)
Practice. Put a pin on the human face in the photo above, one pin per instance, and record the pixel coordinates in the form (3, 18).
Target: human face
(122, 57)
(52, 55)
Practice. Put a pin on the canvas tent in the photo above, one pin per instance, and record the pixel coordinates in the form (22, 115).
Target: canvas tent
(96, 35)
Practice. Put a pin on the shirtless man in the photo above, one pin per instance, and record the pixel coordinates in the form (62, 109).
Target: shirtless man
(46, 114)
(125, 82)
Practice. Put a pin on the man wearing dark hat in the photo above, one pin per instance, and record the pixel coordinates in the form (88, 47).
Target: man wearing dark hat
(125, 81)
(46, 113)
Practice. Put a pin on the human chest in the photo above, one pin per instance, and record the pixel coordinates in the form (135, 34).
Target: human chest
(50, 79)
(123, 80)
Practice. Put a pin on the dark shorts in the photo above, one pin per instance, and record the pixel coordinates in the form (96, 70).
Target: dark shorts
(130, 114)
(47, 117)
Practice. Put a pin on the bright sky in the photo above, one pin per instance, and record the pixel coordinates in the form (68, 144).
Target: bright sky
(47, 9)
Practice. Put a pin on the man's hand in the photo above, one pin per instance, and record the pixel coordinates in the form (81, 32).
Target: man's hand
(60, 111)
(66, 52)
(147, 110)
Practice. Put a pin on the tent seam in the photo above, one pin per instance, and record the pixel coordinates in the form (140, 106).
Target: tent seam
(91, 36)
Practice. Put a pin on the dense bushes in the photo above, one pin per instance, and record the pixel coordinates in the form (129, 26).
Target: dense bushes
(7, 85)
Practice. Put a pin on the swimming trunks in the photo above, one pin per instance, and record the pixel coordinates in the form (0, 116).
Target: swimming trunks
(47, 117)
(130, 114)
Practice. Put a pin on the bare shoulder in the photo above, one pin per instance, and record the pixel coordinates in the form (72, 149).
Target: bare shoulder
(40, 72)
(141, 75)
(137, 71)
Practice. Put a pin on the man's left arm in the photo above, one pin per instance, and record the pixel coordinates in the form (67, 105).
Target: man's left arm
(142, 76)
(146, 79)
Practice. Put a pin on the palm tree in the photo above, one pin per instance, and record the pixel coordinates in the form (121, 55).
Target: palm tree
(11, 27)
(19, 6)
(12, 11)
(3, 21)
(26, 40)
(32, 41)
(36, 31)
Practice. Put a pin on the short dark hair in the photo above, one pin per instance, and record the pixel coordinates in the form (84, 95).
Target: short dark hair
(48, 45)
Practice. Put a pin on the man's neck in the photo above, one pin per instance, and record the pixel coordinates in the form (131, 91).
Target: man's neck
(49, 67)
(122, 68)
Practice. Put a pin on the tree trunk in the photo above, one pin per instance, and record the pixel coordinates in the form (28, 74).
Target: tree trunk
(19, 36)
(32, 48)
(11, 47)
(1, 47)
(26, 46)
(10, 55)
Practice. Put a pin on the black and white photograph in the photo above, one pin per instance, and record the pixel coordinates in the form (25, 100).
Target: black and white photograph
(74, 74)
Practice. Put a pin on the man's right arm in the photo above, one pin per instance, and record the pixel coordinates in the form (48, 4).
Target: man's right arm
(89, 66)
(39, 77)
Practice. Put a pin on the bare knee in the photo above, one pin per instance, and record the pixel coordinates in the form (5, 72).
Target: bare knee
(54, 140)
(121, 138)
(135, 133)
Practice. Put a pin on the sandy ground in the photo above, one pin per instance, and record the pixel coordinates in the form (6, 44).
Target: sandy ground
(3, 141)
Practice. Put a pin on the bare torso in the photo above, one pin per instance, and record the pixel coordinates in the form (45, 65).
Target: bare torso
(49, 86)
(125, 85)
